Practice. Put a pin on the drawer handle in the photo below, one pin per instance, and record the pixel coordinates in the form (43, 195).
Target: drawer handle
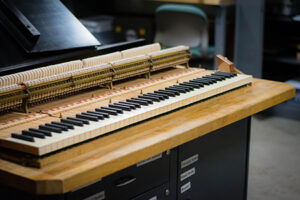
(125, 181)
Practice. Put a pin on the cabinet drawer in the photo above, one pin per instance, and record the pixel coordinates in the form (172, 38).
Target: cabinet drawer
(137, 179)
(159, 193)
(88, 192)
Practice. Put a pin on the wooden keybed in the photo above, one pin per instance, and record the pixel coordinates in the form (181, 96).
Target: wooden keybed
(70, 106)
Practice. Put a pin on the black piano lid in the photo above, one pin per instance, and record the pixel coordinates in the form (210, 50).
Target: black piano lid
(43, 26)
(37, 33)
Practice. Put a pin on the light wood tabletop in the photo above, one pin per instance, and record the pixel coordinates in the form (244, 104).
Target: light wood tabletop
(103, 156)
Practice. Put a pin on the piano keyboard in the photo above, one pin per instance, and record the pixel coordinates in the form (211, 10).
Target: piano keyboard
(86, 125)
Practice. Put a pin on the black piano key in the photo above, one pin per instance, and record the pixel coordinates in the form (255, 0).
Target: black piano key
(105, 115)
(228, 74)
(190, 85)
(170, 94)
(120, 111)
(84, 121)
(149, 101)
(160, 96)
(222, 75)
(53, 126)
(64, 128)
(33, 134)
(22, 137)
(141, 102)
(108, 111)
(218, 78)
(131, 104)
(87, 117)
(94, 115)
(187, 88)
(176, 89)
(155, 99)
(47, 133)
(210, 80)
(205, 82)
(69, 126)
(51, 129)
(115, 109)
(179, 88)
(126, 108)
(131, 107)
(72, 122)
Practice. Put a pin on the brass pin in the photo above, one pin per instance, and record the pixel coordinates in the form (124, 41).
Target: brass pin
(110, 101)
(60, 115)
(177, 81)
(142, 92)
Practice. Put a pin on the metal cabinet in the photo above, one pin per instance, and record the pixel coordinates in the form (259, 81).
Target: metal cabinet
(215, 166)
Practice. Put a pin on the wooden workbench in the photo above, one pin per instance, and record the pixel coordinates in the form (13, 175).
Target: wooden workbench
(101, 157)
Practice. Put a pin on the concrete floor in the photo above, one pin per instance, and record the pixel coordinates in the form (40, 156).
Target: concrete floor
(274, 168)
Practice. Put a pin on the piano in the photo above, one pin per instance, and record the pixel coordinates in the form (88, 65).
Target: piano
(43, 128)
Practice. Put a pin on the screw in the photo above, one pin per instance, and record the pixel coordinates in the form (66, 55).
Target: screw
(167, 192)
(168, 152)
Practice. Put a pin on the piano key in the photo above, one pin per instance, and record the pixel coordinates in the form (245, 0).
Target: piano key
(155, 99)
(226, 73)
(69, 126)
(63, 128)
(53, 126)
(22, 137)
(214, 77)
(170, 94)
(210, 80)
(105, 115)
(94, 115)
(141, 102)
(110, 112)
(222, 75)
(72, 122)
(132, 107)
(160, 96)
(51, 129)
(33, 134)
(176, 89)
(126, 108)
(120, 111)
(136, 105)
(149, 101)
(84, 121)
(190, 84)
(47, 133)
(87, 117)
(187, 88)
(205, 82)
